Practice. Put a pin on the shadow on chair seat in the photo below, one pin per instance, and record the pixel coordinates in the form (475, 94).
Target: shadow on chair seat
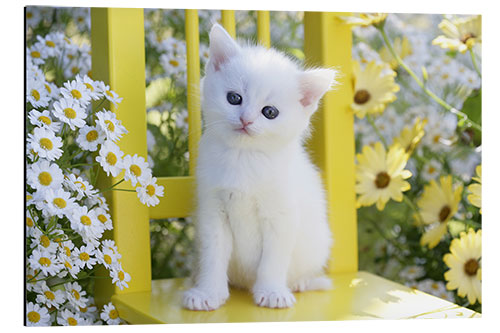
(354, 296)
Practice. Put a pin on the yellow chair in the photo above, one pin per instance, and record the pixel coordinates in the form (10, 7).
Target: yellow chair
(118, 59)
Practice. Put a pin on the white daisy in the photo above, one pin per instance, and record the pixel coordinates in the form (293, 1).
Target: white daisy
(412, 272)
(119, 276)
(75, 295)
(172, 63)
(43, 119)
(36, 54)
(149, 192)
(136, 169)
(112, 96)
(37, 315)
(110, 315)
(51, 43)
(85, 222)
(58, 202)
(43, 242)
(110, 244)
(48, 297)
(85, 256)
(107, 257)
(69, 265)
(52, 90)
(65, 248)
(77, 91)
(45, 262)
(43, 175)
(110, 158)
(79, 185)
(431, 170)
(45, 143)
(69, 318)
(36, 94)
(31, 275)
(112, 127)
(98, 200)
(104, 218)
(71, 112)
(90, 137)
(90, 312)
(92, 89)
(436, 288)
(30, 223)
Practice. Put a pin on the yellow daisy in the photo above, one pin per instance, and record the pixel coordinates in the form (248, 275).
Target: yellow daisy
(380, 175)
(475, 189)
(365, 19)
(438, 205)
(410, 137)
(464, 262)
(372, 89)
(402, 47)
(460, 34)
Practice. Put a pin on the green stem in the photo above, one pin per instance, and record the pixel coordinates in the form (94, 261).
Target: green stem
(377, 131)
(124, 190)
(413, 207)
(82, 164)
(474, 62)
(389, 240)
(436, 98)
(112, 186)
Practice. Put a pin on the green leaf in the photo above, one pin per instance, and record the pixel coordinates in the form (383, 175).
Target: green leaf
(472, 108)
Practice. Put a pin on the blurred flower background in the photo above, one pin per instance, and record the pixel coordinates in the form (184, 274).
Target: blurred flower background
(417, 107)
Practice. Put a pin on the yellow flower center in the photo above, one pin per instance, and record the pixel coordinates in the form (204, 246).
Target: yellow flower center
(84, 256)
(33, 316)
(60, 203)
(50, 295)
(445, 76)
(48, 88)
(150, 189)
(70, 113)
(29, 15)
(35, 94)
(111, 158)
(68, 264)
(76, 94)
(82, 185)
(67, 251)
(35, 54)
(436, 138)
(84, 310)
(174, 62)
(89, 86)
(107, 259)
(72, 321)
(85, 220)
(102, 218)
(113, 314)
(121, 275)
(466, 37)
(136, 170)
(45, 120)
(76, 294)
(44, 261)
(45, 178)
(111, 126)
(382, 180)
(471, 267)
(46, 144)
(435, 286)
(431, 170)
(29, 197)
(70, 56)
(362, 96)
(92, 136)
(50, 43)
(444, 213)
(45, 241)
(75, 70)
(29, 222)
(109, 93)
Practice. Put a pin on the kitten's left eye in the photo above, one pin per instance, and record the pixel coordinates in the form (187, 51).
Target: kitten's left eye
(270, 112)
(233, 98)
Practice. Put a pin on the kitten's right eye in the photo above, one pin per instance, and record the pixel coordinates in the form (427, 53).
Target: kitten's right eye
(234, 98)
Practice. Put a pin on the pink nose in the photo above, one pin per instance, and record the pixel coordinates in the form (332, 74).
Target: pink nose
(245, 123)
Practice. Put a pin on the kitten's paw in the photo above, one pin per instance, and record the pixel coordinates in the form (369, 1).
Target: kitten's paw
(316, 283)
(273, 298)
(201, 300)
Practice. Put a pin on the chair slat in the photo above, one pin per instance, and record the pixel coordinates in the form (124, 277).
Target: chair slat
(263, 28)
(228, 22)
(328, 42)
(178, 200)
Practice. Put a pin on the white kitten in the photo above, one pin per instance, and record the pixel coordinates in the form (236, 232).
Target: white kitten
(261, 216)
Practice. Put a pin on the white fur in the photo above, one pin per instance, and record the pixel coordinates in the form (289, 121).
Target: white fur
(261, 215)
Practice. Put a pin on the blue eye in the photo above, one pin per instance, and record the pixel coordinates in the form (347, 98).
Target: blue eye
(233, 98)
(270, 112)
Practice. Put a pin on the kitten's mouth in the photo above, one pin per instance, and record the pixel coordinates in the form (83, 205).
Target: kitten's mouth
(242, 130)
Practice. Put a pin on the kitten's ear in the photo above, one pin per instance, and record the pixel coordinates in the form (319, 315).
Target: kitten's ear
(222, 46)
(314, 84)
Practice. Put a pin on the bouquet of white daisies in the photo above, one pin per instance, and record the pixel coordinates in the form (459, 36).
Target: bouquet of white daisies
(68, 143)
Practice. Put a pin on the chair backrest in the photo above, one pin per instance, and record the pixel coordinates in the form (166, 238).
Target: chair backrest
(118, 59)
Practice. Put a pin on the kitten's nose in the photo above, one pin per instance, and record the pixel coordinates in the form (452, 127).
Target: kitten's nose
(245, 123)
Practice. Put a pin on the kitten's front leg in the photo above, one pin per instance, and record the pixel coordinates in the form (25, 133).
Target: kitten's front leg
(279, 226)
(214, 250)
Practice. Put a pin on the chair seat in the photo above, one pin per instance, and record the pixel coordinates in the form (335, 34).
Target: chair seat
(354, 296)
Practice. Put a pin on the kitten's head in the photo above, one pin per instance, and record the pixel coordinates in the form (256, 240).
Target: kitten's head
(257, 97)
